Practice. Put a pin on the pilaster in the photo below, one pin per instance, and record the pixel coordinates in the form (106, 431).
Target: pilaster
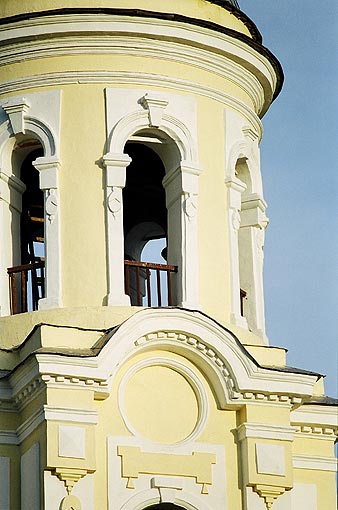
(116, 165)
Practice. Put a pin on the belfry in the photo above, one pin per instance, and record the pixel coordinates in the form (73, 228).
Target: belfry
(128, 384)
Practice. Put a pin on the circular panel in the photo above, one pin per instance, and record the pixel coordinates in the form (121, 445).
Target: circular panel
(160, 404)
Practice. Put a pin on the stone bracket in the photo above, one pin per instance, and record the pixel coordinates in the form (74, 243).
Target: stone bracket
(69, 476)
(269, 494)
(16, 109)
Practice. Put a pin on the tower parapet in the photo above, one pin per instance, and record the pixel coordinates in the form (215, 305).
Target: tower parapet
(124, 123)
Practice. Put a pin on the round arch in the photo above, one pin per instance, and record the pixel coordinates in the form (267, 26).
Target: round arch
(171, 499)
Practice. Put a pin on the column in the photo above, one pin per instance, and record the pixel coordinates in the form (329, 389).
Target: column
(235, 190)
(49, 168)
(116, 165)
(181, 186)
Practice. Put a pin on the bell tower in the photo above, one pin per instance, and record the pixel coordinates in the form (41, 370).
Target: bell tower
(127, 383)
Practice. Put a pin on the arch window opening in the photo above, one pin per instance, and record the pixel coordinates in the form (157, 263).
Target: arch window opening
(27, 276)
(145, 222)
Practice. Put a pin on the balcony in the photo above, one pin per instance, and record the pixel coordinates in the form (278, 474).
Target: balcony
(147, 284)
(26, 286)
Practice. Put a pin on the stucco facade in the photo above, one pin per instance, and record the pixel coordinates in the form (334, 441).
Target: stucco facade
(109, 405)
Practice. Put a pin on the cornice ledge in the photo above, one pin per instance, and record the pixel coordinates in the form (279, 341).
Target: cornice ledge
(262, 431)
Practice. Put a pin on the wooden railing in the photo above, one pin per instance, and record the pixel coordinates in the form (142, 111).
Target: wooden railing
(26, 286)
(144, 290)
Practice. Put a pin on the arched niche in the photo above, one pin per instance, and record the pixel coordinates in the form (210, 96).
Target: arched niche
(169, 142)
(29, 168)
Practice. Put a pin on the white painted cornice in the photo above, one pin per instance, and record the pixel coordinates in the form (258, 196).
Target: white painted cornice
(143, 79)
(315, 463)
(232, 372)
(316, 415)
(255, 71)
(263, 431)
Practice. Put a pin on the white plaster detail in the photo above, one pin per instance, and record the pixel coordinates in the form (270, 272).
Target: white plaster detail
(116, 165)
(144, 79)
(72, 442)
(150, 490)
(114, 201)
(270, 459)
(41, 123)
(16, 110)
(264, 431)
(188, 374)
(190, 205)
(201, 47)
(51, 204)
(125, 118)
(155, 104)
(70, 415)
(5, 485)
(30, 478)
(218, 354)
(246, 240)
(166, 482)
(302, 495)
(70, 502)
(315, 463)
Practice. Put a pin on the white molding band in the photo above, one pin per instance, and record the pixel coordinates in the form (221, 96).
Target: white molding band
(143, 79)
(315, 463)
(261, 431)
(260, 76)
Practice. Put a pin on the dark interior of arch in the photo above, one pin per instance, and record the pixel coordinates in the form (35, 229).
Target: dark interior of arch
(32, 215)
(143, 194)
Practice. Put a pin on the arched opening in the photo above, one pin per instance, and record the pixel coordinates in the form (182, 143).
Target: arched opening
(145, 221)
(243, 174)
(28, 238)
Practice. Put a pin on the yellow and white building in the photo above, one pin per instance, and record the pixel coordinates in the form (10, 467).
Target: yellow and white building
(121, 122)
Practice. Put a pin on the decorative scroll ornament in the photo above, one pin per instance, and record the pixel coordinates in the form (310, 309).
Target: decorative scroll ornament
(114, 201)
(236, 219)
(190, 205)
(70, 503)
(52, 203)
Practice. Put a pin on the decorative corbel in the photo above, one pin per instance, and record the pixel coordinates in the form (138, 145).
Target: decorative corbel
(269, 494)
(155, 104)
(16, 109)
(69, 476)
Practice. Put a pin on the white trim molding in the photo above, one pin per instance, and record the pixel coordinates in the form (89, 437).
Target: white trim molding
(315, 463)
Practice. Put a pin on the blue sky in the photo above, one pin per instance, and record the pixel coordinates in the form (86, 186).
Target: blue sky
(300, 176)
